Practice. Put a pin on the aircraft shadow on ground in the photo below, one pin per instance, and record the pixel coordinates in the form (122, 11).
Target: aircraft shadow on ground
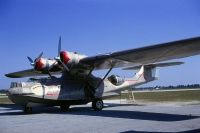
(9, 107)
(189, 131)
(140, 115)
(124, 114)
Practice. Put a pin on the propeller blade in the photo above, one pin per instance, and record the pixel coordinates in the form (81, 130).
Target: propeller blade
(30, 60)
(59, 46)
(58, 58)
(40, 55)
(65, 66)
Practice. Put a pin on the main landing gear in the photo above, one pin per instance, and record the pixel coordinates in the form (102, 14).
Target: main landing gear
(97, 104)
(28, 110)
(64, 108)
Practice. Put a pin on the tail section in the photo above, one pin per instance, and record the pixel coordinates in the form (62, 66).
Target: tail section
(148, 73)
(145, 74)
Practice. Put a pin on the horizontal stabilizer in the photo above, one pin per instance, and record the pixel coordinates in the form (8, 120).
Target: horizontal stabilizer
(166, 64)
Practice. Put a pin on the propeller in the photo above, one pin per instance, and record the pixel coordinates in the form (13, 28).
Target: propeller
(58, 57)
(39, 64)
(33, 63)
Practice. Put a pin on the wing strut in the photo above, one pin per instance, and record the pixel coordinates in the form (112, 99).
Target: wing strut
(90, 72)
(49, 74)
(91, 91)
(104, 77)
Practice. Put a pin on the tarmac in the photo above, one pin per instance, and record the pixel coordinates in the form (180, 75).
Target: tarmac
(114, 118)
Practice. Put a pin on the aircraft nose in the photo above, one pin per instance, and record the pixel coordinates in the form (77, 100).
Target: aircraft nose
(14, 91)
(19, 91)
(17, 95)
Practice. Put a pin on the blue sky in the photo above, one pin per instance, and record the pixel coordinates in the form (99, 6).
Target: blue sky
(28, 27)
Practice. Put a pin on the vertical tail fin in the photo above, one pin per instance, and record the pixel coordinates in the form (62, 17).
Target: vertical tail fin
(140, 72)
(150, 73)
(147, 74)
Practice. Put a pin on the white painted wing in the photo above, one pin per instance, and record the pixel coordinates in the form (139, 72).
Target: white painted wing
(146, 55)
(131, 57)
(28, 73)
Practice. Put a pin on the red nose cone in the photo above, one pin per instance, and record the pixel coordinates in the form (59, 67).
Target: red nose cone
(39, 65)
(64, 56)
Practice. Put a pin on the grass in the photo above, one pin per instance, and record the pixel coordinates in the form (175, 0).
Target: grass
(160, 96)
(151, 96)
(4, 100)
(192, 95)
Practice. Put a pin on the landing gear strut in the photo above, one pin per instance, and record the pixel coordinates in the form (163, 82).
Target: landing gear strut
(27, 110)
(97, 104)
(64, 108)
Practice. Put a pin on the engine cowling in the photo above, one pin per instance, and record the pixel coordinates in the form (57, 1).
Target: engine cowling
(65, 57)
(40, 64)
(44, 64)
(70, 58)
(116, 80)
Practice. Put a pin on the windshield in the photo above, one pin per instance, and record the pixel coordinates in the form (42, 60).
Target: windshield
(15, 84)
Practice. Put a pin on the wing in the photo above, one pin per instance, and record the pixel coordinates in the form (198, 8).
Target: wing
(127, 58)
(27, 73)
(146, 55)
(166, 64)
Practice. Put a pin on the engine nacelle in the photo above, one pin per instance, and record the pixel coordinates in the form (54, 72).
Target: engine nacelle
(70, 58)
(116, 80)
(44, 64)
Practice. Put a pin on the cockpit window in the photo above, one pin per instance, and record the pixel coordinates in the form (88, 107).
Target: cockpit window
(15, 84)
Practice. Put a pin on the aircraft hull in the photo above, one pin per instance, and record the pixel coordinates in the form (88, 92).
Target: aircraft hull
(32, 100)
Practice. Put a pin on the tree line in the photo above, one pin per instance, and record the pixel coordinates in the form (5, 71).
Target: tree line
(189, 86)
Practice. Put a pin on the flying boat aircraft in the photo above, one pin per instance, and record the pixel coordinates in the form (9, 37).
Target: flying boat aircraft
(77, 84)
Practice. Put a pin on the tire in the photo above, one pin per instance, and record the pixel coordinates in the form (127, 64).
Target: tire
(97, 104)
(28, 110)
(64, 108)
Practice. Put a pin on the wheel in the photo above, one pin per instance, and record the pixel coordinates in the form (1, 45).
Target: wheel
(27, 110)
(64, 108)
(97, 104)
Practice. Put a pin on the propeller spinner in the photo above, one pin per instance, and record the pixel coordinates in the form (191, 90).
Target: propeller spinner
(38, 63)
